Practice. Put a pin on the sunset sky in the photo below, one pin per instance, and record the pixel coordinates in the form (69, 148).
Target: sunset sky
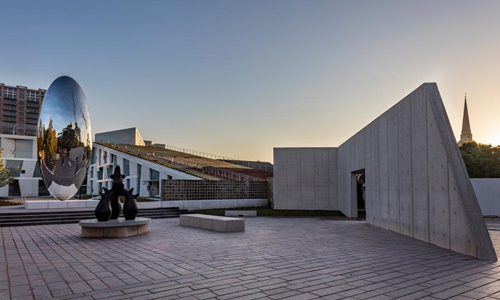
(237, 78)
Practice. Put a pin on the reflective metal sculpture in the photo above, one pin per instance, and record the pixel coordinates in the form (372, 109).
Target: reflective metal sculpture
(64, 138)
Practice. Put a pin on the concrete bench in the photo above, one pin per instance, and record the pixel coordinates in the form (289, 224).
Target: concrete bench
(240, 213)
(215, 223)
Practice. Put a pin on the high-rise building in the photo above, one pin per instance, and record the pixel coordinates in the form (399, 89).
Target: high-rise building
(466, 134)
(19, 109)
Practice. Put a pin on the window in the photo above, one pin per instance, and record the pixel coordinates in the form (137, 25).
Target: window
(94, 154)
(14, 167)
(109, 170)
(8, 127)
(21, 93)
(23, 149)
(33, 96)
(154, 175)
(37, 173)
(139, 171)
(126, 167)
(10, 93)
(9, 107)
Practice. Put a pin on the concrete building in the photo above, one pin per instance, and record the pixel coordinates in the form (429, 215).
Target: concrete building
(466, 134)
(147, 166)
(143, 175)
(129, 136)
(158, 145)
(415, 181)
(19, 111)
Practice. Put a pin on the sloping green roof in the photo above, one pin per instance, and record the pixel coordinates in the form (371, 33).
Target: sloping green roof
(142, 152)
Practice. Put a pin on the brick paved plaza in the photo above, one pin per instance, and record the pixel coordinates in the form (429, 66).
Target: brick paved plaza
(276, 258)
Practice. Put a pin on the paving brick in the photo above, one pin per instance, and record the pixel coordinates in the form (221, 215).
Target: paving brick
(276, 258)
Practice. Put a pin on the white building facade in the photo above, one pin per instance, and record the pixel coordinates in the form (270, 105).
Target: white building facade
(143, 175)
(20, 157)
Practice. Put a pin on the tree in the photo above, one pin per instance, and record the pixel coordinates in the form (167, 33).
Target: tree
(5, 177)
(51, 142)
(481, 160)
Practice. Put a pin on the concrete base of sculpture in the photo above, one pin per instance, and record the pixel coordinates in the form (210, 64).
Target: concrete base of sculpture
(115, 228)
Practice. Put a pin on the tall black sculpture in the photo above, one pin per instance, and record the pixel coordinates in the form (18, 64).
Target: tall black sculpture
(109, 206)
(117, 188)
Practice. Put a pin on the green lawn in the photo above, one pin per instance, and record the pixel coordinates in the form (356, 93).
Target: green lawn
(269, 212)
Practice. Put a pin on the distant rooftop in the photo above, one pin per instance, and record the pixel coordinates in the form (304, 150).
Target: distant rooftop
(130, 136)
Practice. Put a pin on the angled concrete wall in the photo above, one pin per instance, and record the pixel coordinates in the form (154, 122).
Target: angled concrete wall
(487, 191)
(416, 181)
(305, 178)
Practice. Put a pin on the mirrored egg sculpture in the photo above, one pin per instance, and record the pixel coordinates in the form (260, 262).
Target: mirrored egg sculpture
(64, 138)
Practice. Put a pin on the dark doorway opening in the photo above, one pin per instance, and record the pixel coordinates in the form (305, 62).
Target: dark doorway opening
(359, 193)
(42, 189)
(14, 189)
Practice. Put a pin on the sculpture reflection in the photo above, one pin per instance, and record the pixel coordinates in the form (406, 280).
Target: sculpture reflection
(64, 138)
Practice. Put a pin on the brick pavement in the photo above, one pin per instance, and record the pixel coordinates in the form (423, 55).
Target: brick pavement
(275, 258)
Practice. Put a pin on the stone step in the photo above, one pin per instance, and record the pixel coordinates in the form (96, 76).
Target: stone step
(84, 217)
(76, 213)
(70, 211)
(57, 217)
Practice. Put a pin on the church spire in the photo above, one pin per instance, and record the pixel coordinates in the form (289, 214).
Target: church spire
(466, 135)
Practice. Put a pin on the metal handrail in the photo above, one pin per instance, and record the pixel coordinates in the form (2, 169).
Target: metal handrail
(253, 165)
(197, 153)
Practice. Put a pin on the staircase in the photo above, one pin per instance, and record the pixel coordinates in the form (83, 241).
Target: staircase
(72, 216)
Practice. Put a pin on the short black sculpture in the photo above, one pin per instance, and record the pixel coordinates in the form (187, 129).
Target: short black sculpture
(109, 206)
(103, 209)
(130, 208)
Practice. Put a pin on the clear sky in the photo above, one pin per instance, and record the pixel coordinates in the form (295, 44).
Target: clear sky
(237, 78)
